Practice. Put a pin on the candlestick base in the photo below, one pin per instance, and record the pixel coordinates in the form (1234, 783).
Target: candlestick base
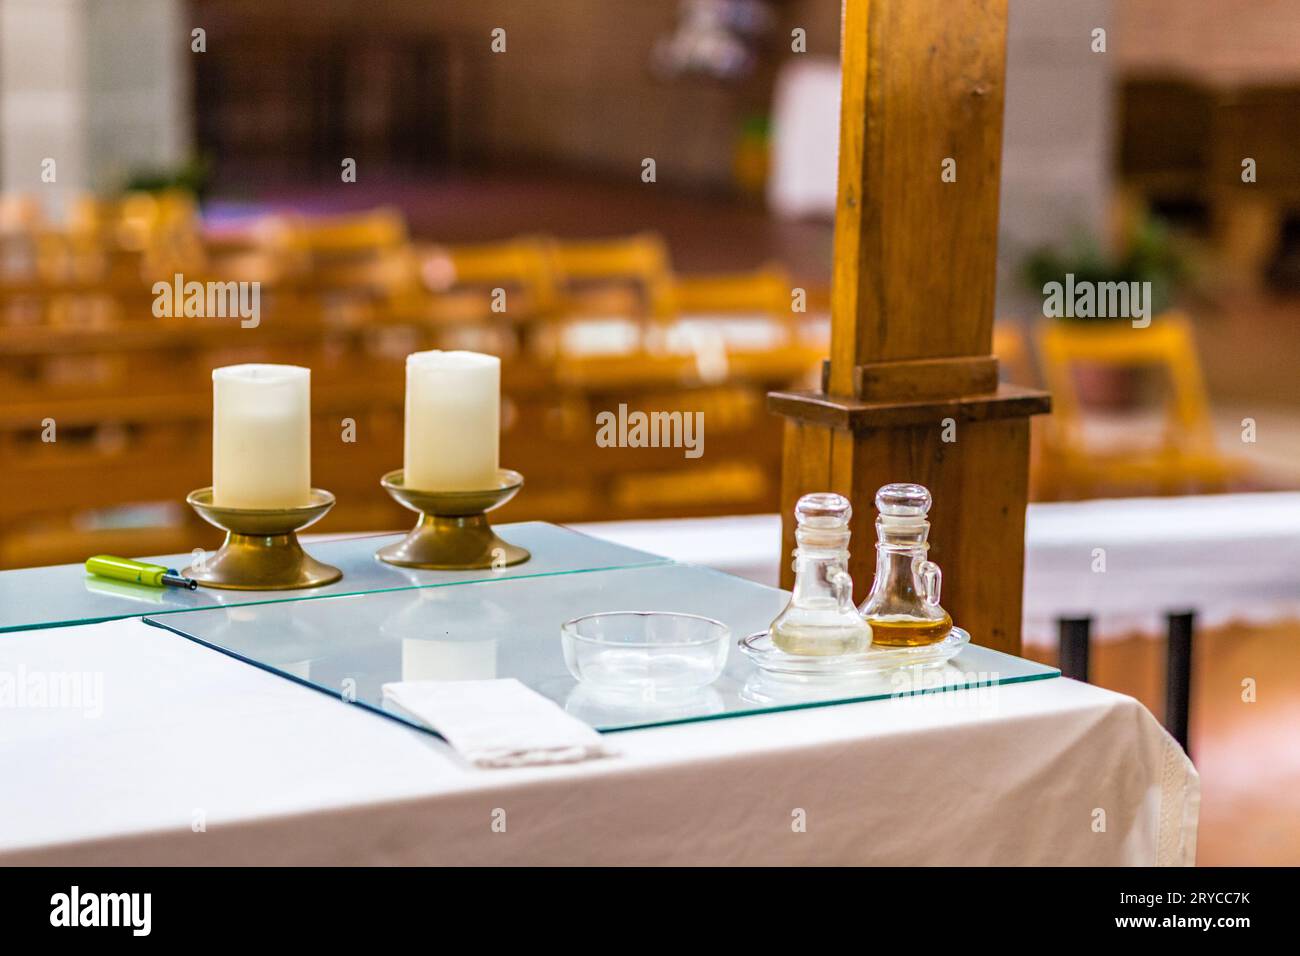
(261, 551)
(453, 533)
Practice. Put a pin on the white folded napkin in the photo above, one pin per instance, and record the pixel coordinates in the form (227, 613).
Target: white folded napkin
(497, 723)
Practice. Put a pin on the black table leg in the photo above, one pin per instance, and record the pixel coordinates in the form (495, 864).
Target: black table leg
(1074, 635)
(1178, 676)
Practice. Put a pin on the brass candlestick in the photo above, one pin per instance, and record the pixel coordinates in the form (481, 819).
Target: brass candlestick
(261, 551)
(453, 533)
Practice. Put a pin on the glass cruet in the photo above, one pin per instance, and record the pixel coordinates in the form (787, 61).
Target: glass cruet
(821, 618)
(903, 606)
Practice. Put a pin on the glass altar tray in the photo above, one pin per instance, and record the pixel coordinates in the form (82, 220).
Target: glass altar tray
(349, 646)
(65, 594)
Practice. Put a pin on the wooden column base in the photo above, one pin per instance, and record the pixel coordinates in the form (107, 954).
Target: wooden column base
(979, 480)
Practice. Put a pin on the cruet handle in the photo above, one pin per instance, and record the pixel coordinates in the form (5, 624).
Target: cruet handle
(931, 582)
(842, 585)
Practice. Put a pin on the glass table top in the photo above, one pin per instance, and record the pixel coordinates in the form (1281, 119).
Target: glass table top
(65, 594)
(350, 645)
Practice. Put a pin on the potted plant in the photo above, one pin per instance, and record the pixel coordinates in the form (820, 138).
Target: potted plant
(1072, 282)
(191, 176)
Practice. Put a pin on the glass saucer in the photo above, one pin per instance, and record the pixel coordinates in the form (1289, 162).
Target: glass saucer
(758, 647)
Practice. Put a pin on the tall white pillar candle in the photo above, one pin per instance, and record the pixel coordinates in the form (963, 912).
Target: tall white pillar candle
(261, 436)
(453, 421)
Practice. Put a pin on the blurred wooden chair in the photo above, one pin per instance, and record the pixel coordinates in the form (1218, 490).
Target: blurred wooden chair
(1184, 455)
(134, 221)
(257, 250)
(765, 291)
(139, 233)
(1015, 366)
(626, 276)
(738, 472)
(21, 222)
(491, 297)
(352, 236)
(116, 477)
(742, 320)
(466, 280)
(112, 457)
(552, 436)
(131, 394)
(1011, 348)
(610, 294)
(19, 213)
(368, 252)
(105, 245)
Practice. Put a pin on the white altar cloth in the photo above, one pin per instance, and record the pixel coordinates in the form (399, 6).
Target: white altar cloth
(177, 754)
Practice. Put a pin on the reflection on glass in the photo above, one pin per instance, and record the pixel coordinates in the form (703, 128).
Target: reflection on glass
(766, 689)
(448, 660)
(298, 669)
(39, 597)
(354, 645)
(429, 649)
(122, 589)
(602, 707)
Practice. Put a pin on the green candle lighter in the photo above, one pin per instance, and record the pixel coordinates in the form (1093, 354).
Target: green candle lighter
(137, 572)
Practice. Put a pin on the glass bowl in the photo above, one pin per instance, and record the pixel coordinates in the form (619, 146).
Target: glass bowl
(645, 652)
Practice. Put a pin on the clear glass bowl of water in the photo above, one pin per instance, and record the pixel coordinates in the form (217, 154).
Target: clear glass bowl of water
(647, 652)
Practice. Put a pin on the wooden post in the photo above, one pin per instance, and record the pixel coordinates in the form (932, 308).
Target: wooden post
(911, 392)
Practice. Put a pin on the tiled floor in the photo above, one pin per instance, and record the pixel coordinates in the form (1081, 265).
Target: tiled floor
(1275, 449)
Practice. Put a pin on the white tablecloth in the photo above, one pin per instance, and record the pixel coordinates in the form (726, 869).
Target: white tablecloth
(1227, 557)
(188, 756)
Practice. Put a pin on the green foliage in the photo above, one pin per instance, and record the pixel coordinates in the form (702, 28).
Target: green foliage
(190, 176)
(1149, 254)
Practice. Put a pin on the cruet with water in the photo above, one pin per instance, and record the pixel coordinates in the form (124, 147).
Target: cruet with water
(821, 618)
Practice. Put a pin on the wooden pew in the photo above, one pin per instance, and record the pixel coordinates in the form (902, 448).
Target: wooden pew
(129, 393)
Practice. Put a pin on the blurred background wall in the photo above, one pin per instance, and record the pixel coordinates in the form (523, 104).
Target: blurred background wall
(103, 88)
(109, 89)
(1254, 39)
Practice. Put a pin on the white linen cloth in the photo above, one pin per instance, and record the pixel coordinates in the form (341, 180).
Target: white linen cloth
(1125, 562)
(805, 136)
(189, 756)
(496, 723)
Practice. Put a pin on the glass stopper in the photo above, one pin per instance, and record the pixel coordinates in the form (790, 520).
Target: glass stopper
(823, 510)
(903, 500)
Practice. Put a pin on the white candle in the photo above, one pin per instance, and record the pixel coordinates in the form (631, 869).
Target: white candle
(453, 421)
(261, 436)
